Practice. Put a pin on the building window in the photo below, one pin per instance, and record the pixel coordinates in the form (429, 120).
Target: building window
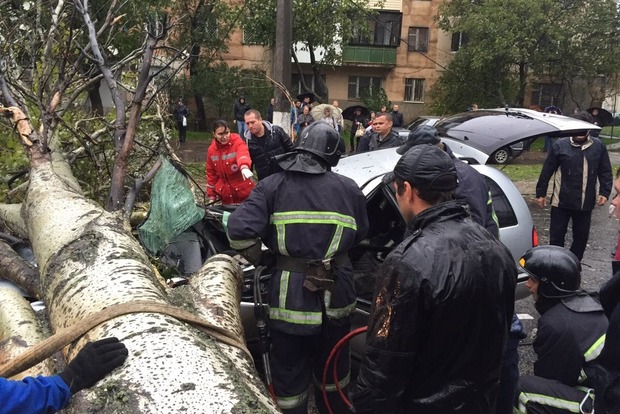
(363, 86)
(383, 30)
(459, 39)
(547, 94)
(414, 90)
(417, 39)
(297, 87)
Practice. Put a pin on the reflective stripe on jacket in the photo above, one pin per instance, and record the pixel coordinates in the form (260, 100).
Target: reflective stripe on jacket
(307, 216)
(224, 163)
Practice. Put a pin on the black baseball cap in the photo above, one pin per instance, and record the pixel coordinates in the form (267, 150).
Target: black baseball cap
(426, 167)
(423, 134)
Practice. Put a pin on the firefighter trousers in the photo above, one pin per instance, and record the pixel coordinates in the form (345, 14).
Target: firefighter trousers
(539, 395)
(298, 361)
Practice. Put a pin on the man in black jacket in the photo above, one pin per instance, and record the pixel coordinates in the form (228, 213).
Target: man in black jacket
(571, 334)
(382, 137)
(575, 163)
(443, 302)
(241, 107)
(265, 142)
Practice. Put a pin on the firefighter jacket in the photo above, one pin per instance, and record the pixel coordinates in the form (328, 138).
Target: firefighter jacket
(570, 336)
(224, 163)
(575, 170)
(306, 216)
(264, 149)
(441, 313)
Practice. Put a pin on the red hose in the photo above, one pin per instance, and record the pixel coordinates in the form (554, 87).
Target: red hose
(334, 354)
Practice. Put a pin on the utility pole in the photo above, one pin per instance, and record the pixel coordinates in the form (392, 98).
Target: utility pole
(282, 62)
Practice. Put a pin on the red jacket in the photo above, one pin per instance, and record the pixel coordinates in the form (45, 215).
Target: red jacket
(224, 163)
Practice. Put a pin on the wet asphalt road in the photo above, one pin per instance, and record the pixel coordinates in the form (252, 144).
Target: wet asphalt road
(596, 263)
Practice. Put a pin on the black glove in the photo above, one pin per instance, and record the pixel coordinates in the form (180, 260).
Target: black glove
(93, 362)
(267, 259)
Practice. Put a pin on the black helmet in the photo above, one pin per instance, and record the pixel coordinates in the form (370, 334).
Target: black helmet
(557, 270)
(322, 140)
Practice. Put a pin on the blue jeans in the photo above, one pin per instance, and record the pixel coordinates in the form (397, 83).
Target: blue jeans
(241, 128)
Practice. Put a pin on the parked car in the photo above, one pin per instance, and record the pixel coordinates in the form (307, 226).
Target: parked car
(421, 120)
(387, 227)
(499, 135)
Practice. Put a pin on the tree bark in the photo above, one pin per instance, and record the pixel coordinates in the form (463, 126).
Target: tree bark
(16, 270)
(19, 330)
(88, 261)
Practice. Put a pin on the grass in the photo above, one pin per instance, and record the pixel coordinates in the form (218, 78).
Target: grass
(199, 136)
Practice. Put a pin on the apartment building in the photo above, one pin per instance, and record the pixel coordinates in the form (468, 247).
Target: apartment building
(404, 55)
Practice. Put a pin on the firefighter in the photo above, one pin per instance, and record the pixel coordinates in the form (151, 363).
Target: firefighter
(308, 217)
(571, 334)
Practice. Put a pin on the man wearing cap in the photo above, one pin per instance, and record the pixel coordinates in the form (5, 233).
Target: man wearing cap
(472, 187)
(443, 302)
(474, 191)
(308, 217)
(382, 137)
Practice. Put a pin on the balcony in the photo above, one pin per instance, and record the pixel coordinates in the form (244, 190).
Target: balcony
(369, 55)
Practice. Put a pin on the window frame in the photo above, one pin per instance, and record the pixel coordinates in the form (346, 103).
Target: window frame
(411, 89)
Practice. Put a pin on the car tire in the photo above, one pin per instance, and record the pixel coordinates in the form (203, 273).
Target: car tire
(501, 156)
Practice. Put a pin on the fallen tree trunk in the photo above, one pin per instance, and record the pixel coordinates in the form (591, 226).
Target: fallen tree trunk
(16, 270)
(19, 330)
(88, 261)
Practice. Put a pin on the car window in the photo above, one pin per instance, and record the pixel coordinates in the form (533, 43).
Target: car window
(415, 123)
(503, 210)
(385, 232)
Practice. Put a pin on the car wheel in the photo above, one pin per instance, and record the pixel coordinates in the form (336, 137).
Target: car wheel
(501, 156)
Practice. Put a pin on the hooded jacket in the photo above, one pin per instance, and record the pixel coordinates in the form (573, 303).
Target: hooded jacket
(264, 149)
(575, 170)
(224, 163)
(437, 328)
(240, 109)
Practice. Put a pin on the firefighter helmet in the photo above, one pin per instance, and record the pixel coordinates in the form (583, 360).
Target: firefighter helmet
(557, 270)
(323, 141)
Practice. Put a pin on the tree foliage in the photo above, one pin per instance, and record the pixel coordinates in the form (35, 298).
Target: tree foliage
(323, 27)
(522, 40)
(58, 53)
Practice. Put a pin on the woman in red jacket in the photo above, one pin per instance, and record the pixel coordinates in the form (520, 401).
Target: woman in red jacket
(229, 177)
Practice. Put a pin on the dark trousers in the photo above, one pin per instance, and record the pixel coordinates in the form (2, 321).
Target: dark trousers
(509, 377)
(581, 228)
(544, 396)
(298, 360)
(182, 130)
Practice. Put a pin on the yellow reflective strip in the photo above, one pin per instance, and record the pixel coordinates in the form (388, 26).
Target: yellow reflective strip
(335, 243)
(318, 217)
(595, 350)
(281, 236)
(340, 313)
(332, 387)
(288, 403)
(296, 317)
(570, 406)
(284, 278)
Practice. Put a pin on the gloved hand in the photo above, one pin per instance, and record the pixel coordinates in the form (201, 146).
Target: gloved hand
(93, 362)
(247, 173)
(267, 259)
